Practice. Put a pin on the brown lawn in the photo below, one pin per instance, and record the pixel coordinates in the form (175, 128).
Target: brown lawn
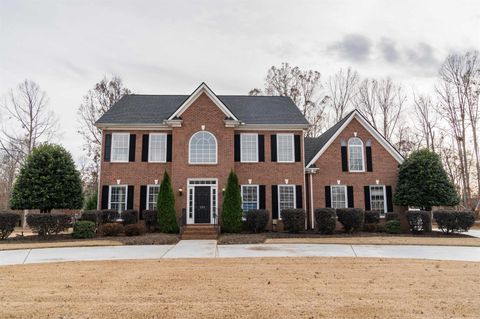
(252, 288)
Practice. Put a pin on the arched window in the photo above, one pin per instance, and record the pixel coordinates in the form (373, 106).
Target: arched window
(355, 155)
(202, 148)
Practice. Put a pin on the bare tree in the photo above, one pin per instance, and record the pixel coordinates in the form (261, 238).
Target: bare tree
(30, 121)
(95, 103)
(302, 87)
(426, 119)
(342, 88)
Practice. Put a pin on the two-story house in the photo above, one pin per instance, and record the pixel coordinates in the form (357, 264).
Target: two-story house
(199, 138)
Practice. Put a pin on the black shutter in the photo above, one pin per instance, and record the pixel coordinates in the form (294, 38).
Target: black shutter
(344, 159)
(261, 197)
(236, 150)
(298, 150)
(145, 138)
(107, 147)
(131, 153)
(143, 199)
(169, 147)
(273, 147)
(274, 202)
(105, 197)
(328, 197)
(388, 190)
(261, 148)
(366, 191)
(299, 197)
(368, 151)
(351, 201)
(130, 197)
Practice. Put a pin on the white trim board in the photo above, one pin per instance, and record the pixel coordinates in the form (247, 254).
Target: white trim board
(202, 88)
(380, 139)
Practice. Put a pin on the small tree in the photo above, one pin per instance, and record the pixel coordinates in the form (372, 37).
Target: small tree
(232, 206)
(48, 180)
(91, 201)
(423, 182)
(167, 219)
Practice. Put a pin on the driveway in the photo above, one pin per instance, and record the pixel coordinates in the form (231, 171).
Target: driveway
(210, 249)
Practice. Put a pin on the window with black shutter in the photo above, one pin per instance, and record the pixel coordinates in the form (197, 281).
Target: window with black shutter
(131, 153)
(273, 147)
(145, 147)
(261, 148)
(274, 202)
(328, 197)
(107, 147)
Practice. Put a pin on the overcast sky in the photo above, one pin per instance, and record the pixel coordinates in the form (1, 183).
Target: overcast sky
(169, 47)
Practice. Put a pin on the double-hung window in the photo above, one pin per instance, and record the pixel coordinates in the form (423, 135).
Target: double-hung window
(286, 198)
(120, 147)
(249, 197)
(249, 147)
(339, 196)
(152, 196)
(118, 198)
(157, 148)
(355, 155)
(285, 148)
(377, 199)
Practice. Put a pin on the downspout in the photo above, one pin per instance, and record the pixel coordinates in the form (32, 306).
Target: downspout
(312, 209)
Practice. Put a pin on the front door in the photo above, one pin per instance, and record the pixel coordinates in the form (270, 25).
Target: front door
(202, 205)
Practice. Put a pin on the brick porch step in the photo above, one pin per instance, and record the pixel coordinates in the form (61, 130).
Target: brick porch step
(199, 232)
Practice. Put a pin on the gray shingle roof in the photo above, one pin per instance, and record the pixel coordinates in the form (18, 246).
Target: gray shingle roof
(314, 144)
(154, 109)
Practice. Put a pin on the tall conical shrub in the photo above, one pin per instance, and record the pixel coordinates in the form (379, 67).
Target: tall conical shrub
(232, 206)
(167, 219)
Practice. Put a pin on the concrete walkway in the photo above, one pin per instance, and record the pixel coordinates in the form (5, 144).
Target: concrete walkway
(210, 249)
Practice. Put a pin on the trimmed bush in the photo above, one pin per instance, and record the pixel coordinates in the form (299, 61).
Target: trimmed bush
(109, 216)
(293, 220)
(111, 229)
(392, 227)
(130, 217)
(150, 218)
(166, 216)
(256, 220)
(49, 224)
(380, 228)
(352, 219)
(134, 230)
(325, 220)
(391, 216)
(372, 217)
(8, 221)
(92, 216)
(454, 221)
(419, 221)
(232, 206)
(84, 229)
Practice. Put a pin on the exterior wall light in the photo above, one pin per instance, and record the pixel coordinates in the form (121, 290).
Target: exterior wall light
(118, 182)
(338, 182)
(203, 127)
(156, 182)
(377, 181)
(249, 181)
(286, 180)
(180, 191)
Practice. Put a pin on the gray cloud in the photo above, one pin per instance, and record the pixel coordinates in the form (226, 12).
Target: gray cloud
(388, 50)
(354, 47)
(422, 55)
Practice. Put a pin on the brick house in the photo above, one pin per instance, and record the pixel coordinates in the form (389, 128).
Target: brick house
(199, 138)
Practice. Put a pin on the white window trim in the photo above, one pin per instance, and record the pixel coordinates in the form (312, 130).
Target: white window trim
(331, 194)
(110, 195)
(385, 209)
(291, 135)
(203, 163)
(258, 195)
(128, 148)
(242, 135)
(278, 198)
(148, 193)
(363, 155)
(164, 159)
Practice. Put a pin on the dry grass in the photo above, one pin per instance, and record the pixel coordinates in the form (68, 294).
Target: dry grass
(251, 288)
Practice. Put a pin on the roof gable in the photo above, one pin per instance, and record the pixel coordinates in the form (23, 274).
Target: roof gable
(202, 88)
(317, 146)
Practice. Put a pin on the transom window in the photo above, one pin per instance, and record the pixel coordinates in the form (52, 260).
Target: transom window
(249, 197)
(355, 155)
(152, 196)
(286, 198)
(339, 196)
(157, 147)
(377, 198)
(285, 148)
(118, 198)
(203, 148)
(249, 147)
(120, 146)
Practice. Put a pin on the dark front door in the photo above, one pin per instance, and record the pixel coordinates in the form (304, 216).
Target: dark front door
(202, 205)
